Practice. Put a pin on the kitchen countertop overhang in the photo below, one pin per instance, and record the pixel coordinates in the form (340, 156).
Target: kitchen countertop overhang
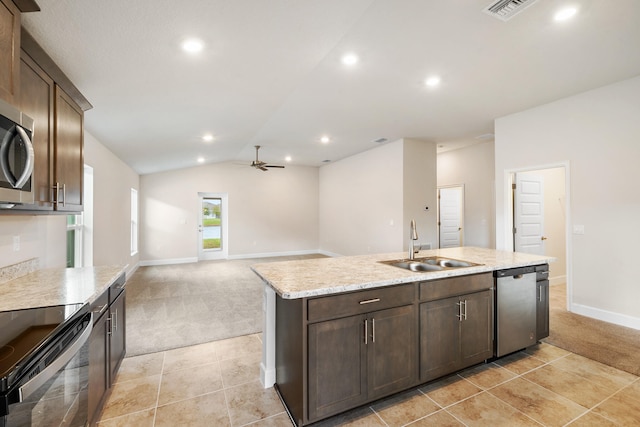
(325, 276)
(58, 286)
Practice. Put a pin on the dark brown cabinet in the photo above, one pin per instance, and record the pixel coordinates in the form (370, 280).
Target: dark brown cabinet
(57, 140)
(456, 324)
(9, 51)
(107, 345)
(37, 101)
(542, 304)
(68, 154)
(360, 358)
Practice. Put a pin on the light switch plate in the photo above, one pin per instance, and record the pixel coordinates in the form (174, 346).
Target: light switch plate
(578, 229)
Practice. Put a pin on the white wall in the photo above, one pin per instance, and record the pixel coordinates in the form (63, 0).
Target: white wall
(597, 133)
(273, 212)
(367, 200)
(43, 237)
(112, 184)
(472, 167)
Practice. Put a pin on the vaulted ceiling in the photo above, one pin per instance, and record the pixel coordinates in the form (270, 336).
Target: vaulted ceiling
(271, 72)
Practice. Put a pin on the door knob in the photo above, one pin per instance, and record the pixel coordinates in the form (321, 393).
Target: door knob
(543, 238)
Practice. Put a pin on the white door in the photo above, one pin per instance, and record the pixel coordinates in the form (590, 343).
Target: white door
(528, 199)
(212, 226)
(450, 214)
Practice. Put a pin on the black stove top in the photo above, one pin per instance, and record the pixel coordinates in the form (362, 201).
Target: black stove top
(24, 332)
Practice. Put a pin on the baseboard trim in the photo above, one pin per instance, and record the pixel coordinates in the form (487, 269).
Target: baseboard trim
(168, 261)
(267, 376)
(606, 316)
(274, 254)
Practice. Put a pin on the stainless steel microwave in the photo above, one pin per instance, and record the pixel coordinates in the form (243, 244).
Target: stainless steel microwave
(16, 157)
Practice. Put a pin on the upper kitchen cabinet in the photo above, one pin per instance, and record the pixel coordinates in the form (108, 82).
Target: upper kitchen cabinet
(37, 100)
(9, 51)
(68, 155)
(56, 106)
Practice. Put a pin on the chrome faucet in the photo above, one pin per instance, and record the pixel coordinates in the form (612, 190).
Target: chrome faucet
(413, 236)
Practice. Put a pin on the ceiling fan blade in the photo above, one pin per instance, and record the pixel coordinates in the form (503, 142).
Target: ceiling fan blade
(274, 166)
(262, 168)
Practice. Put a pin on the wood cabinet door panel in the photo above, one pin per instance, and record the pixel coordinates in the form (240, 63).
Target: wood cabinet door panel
(117, 346)
(542, 311)
(476, 333)
(9, 51)
(37, 93)
(391, 351)
(98, 356)
(337, 366)
(439, 338)
(69, 157)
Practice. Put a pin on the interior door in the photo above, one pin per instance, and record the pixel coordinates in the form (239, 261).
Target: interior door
(212, 226)
(450, 211)
(528, 200)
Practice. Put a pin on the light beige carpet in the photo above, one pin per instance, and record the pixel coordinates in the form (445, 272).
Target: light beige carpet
(604, 342)
(179, 305)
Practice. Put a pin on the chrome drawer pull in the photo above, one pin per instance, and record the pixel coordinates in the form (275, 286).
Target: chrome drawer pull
(369, 301)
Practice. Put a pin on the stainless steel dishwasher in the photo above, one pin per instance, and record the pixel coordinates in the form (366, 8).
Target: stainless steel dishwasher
(515, 324)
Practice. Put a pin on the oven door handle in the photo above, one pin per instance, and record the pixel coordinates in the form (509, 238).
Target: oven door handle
(63, 358)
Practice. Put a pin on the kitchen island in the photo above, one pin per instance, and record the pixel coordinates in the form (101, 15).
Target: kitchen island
(341, 332)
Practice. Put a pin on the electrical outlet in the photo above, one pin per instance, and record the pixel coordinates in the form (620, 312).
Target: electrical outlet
(16, 243)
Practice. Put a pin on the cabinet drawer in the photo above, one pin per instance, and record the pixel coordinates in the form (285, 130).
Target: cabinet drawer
(359, 302)
(452, 286)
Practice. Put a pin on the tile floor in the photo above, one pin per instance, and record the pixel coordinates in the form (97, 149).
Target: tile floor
(217, 384)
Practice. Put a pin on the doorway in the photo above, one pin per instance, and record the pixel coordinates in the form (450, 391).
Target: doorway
(450, 216)
(212, 226)
(539, 219)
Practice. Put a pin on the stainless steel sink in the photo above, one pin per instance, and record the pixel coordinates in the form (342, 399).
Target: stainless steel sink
(433, 263)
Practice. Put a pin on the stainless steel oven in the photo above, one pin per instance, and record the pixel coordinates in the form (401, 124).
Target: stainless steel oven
(16, 157)
(44, 366)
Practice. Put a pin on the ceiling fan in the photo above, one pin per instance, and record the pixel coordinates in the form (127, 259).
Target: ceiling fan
(258, 164)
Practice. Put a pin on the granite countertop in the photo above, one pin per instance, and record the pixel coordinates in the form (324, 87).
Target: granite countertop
(57, 286)
(324, 276)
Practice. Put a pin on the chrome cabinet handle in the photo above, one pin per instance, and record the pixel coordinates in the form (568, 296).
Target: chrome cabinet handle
(64, 195)
(540, 293)
(366, 332)
(465, 309)
(56, 193)
(373, 330)
(114, 322)
(369, 301)
(459, 315)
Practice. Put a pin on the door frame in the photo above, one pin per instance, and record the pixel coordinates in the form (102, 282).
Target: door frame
(223, 253)
(508, 216)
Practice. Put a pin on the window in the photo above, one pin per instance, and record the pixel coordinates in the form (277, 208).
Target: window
(134, 221)
(74, 241)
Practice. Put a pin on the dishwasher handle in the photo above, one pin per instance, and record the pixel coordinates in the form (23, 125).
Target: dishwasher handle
(517, 272)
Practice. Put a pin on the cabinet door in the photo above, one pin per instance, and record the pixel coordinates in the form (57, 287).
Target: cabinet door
(68, 154)
(37, 93)
(476, 328)
(391, 351)
(542, 310)
(439, 338)
(117, 346)
(98, 360)
(9, 51)
(337, 366)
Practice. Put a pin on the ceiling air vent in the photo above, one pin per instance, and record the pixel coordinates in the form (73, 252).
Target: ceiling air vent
(380, 140)
(507, 9)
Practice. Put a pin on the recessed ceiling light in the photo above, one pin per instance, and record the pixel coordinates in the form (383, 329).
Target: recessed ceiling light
(207, 138)
(432, 81)
(325, 139)
(200, 159)
(350, 59)
(192, 45)
(564, 14)
(287, 159)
